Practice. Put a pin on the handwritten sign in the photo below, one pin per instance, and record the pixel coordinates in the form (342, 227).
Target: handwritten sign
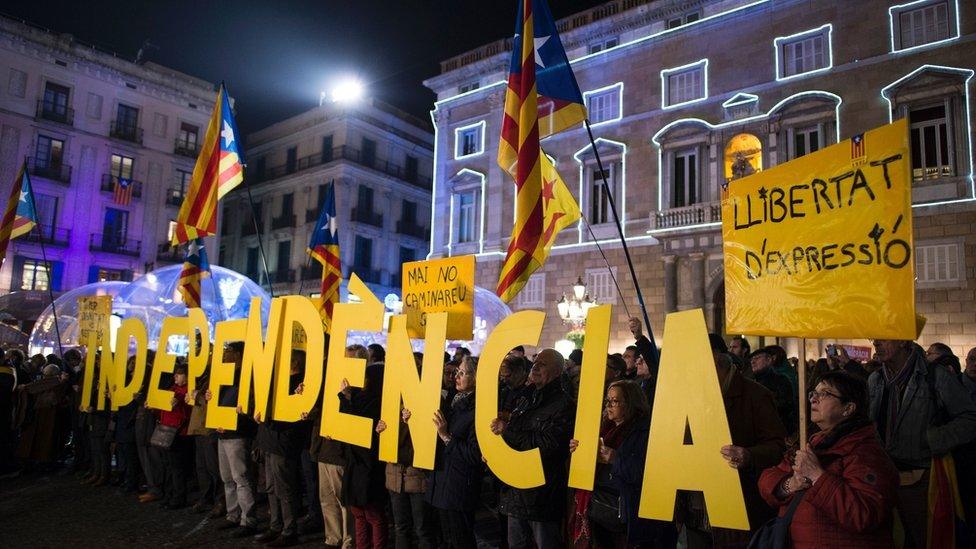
(821, 246)
(93, 317)
(440, 286)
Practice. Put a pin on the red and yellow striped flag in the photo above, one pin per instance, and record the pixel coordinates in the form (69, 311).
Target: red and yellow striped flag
(20, 215)
(217, 171)
(542, 99)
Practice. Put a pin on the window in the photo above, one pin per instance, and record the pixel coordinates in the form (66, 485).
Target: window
(259, 167)
(803, 53)
(922, 23)
(684, 179)
(805, 141)
(326, 148)
(363, 260)
(55, 100)
(251, 265)
(930, 141)
(600, 286)
(183, 181)
(115, 228)
(684, 84)
(188, 136)
(291, 159)
(160, 121)
(108, 275)
(470, 86)
(50, 152)
(17, 83)
(369, 152)
(467, 215)
(287, 205)
(603, 105)
(127, 119)
(469, 140)
(170, 231)
(364, 199)
(939, 265)
(410, 171)
(676, 22)
(407, 255)
(599, 197)
(284, 258)
(409, 213)
(121, 166)
(533, 294)
(47, 212)
(35, 275)
(603, 45)
(93, 107)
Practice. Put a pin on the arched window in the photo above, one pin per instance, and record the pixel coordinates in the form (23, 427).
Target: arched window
(743, 156)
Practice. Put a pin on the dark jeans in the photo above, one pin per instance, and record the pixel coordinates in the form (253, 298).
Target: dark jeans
(129, 463)
(282, 479)
(521, 534)
(176, 462)
(208, 470)
(412, 519)
(310, 497)
(457, 527)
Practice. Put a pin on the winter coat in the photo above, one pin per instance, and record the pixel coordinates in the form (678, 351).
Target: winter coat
(455, 482)
(246, 426)
(145, 422)
(284, 438)
(851, 504)
(324, 450)
(125, 421)
(179, 415)
(402, 477)
(783, 397)
(363, 478)
(627, 476)
(543, 421)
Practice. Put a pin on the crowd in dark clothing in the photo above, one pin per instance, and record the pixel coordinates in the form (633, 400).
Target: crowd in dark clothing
(861, 480)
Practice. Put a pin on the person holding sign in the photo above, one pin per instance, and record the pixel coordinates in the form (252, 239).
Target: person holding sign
(544, 421)
(842, 486)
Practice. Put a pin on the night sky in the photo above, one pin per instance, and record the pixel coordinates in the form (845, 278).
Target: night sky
(276, 56)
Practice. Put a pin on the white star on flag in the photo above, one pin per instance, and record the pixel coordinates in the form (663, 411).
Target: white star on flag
(227, 134)
(538, 43)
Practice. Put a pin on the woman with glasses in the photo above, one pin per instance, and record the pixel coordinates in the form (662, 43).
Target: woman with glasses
(607, 516)
(845, 479)
(454, 486)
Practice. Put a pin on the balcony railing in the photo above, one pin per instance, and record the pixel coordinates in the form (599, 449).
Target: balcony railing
(283, 222)
(285, 276)
(174, 197)
(48, 110)
(54, 171)
(373, 276)
(696, 214)
(312, 271)
(169, 254)
(411, 228)
(186, 148)
(247, 228)
(368, 217)
(125, 132)
(114, 244)
(49, 236)
(342, 153)
(109, 181)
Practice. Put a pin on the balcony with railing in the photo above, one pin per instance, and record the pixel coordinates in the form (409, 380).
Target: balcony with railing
(312, 271)
(411, 228)
(687, 216)
(49, 236)
(167, 253)
(125, 132)
(283, 222)
(109, 181)
(114, 244)
(50, 170)
(342, 153)
(49, 110)
(185, 147)
(368, 217)
(174, 197)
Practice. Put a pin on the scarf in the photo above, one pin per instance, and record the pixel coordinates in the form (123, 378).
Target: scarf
(894, 390)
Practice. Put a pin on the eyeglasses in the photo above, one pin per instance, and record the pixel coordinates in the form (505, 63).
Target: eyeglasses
(612, 402)
(816, 396)
(460, 373)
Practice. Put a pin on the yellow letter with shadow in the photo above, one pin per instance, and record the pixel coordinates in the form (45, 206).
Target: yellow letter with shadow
(589, 404)
(222, 374)
(299, 310)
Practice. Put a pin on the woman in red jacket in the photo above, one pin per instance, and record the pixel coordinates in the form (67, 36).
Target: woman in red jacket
(179, 455)
(847, 482)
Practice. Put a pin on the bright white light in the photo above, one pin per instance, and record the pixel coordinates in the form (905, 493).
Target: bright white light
(347, 91)
(564, 347)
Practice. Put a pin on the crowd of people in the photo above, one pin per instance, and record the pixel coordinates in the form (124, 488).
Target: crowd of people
(862, 479)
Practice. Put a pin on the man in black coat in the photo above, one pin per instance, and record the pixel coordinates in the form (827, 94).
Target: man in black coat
(543, 421)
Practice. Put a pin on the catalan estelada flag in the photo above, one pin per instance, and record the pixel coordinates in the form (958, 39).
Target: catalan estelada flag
(324, 248)
(195, 269)
(947, 519)
(123, 191)
(21, 215)
(542, 99)
(218, 170)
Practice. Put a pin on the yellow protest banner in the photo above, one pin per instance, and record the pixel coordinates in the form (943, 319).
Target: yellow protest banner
(821, 246)
(589, 401)
(93, 314)
(440, 286)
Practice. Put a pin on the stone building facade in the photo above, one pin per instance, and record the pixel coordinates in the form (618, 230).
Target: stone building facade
(85, 119)
(679, 89)
(381, 161)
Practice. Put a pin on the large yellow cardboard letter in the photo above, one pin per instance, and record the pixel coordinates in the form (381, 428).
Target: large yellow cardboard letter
(589, 403)
(516, 468)
(688, 391)
(164, 363)
(197, 358)
(89, 379)
(366, 316)
(301, 311)
(222, 374)
(420, 391)
(122, 392)
(259, 355)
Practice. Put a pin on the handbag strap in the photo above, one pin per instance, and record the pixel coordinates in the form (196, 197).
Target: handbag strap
(791, 510)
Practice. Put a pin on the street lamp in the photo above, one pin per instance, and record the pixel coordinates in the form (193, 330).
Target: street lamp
(573, 310)
(347, 91)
